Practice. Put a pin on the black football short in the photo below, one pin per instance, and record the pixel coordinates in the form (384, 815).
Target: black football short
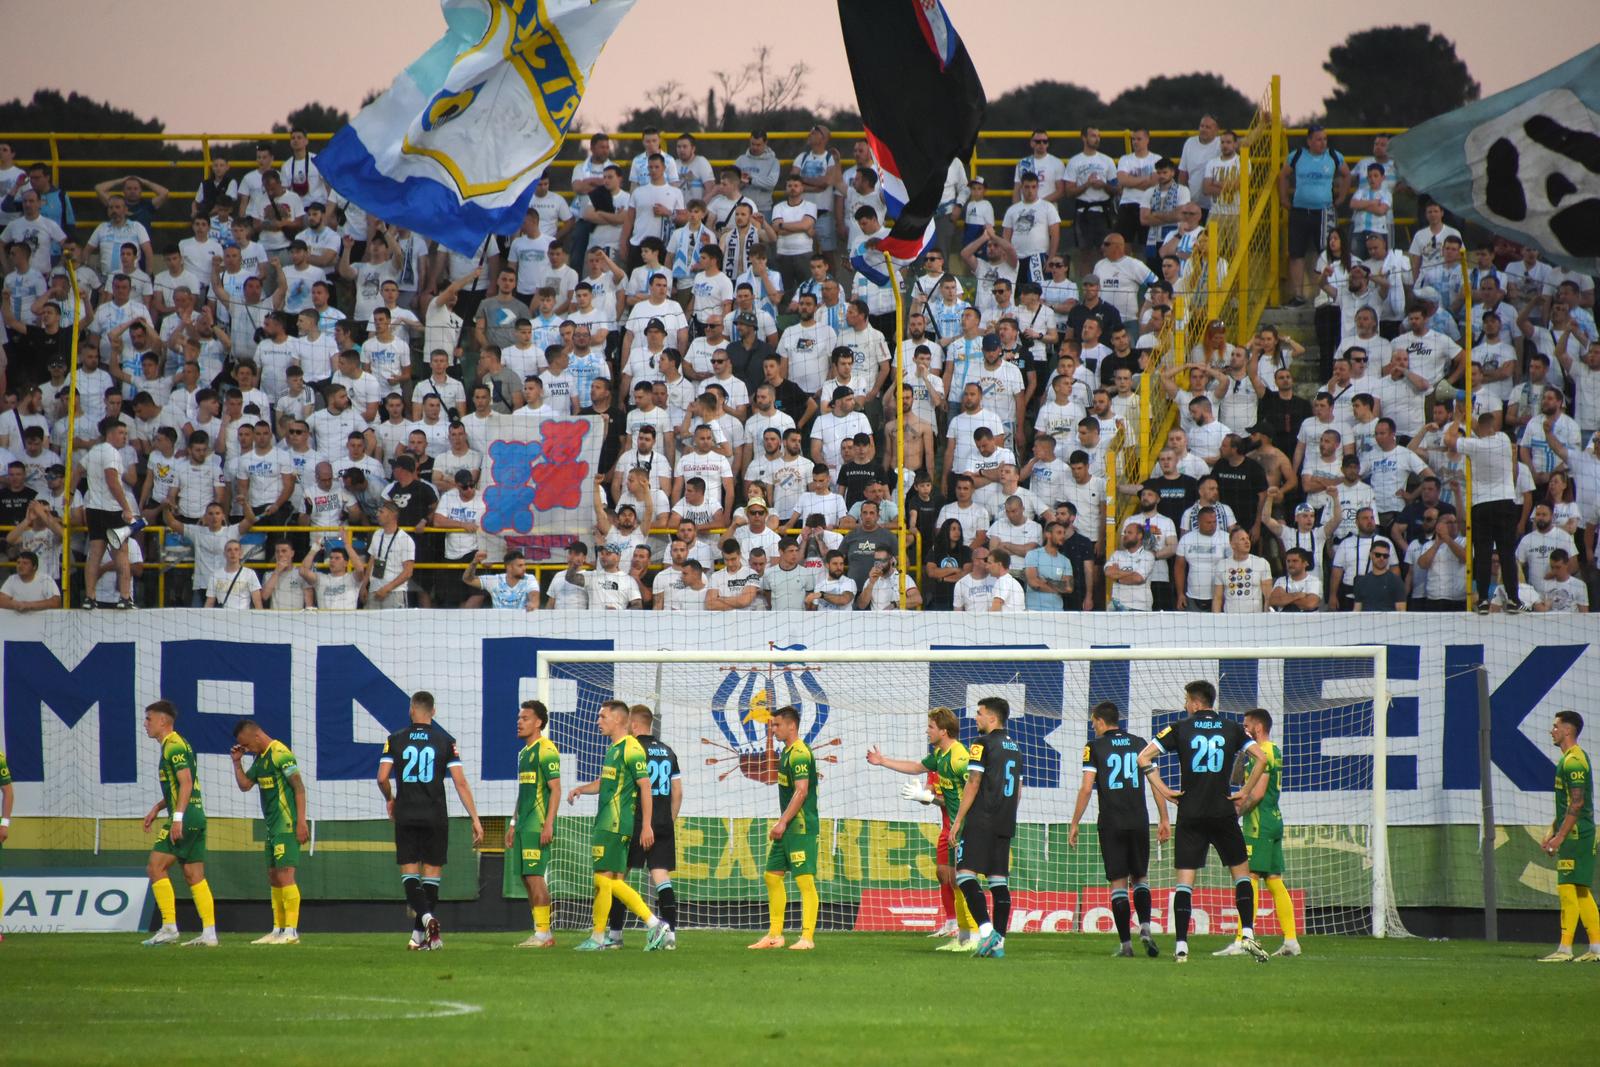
(102, 522)
(984, 852)
(1125, 851)
(1193, 836)
(662, 855)
(425, 843)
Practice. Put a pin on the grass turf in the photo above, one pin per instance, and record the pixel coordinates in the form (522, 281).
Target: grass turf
(858, 999)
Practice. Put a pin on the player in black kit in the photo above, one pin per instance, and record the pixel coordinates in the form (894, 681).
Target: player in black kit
(1111, 769)
(1206, 745)
(661, 858)
(422, 755)
(983, 827)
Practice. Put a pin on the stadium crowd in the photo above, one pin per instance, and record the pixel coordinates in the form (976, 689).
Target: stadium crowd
(295, 363)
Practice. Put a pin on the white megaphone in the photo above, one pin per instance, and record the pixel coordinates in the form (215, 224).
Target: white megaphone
(118, 536)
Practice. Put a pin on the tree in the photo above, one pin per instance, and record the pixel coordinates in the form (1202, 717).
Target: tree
(1396, 76)
(314, 118)
(1177, 102)
(1048, 104)
(667, 107)
(760, 88)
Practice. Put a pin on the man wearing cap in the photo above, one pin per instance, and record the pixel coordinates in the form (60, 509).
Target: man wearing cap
(611, 588)
(461, 512)
(1312, 180)
(415, 502)
(841, 421)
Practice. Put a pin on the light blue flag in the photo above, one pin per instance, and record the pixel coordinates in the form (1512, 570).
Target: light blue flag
(454, 148)
(1525, 162)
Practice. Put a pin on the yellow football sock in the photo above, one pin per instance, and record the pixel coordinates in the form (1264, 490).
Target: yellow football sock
(204, 904)
(291, 907)
(809, 904)
(964, 919)
(1589, 915)
(166, 901)
(777, 900)
(602, 904)
(1283, 905)
(1568, 895)
(541, 918)
(631, 900)
(277, 907)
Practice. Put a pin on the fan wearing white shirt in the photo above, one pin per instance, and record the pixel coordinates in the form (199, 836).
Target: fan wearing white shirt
(1242, 580)
(835, 591)
(1495, 502)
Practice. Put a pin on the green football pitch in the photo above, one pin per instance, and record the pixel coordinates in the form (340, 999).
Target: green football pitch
(858, 999)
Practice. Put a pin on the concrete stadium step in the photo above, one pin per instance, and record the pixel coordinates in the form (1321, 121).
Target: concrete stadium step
(1299, 323)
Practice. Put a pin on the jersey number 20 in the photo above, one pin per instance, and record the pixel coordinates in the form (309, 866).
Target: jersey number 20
(1207, 757)
(418, 766)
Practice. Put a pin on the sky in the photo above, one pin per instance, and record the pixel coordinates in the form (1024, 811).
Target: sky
(334, 52)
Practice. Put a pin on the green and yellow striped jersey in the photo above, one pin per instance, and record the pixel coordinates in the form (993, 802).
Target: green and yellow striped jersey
(5, 770)
(624, 765)
(796, 765)
(1265, 818)
(271, 772)
(538, 771)
(951, 767)
(176, 755)
(1572, 772)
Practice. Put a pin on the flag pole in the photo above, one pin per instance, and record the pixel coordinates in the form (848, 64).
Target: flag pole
(72, 421)
(900, 417)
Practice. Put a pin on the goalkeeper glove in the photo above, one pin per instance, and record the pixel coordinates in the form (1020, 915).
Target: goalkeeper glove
(917, 792)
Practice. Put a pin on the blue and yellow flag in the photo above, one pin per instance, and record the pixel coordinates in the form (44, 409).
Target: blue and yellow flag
(1525, 162)
(454, 148)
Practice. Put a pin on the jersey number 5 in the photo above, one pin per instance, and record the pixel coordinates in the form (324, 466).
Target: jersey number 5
(1011, 779)
(418, 766)
(1207, 757)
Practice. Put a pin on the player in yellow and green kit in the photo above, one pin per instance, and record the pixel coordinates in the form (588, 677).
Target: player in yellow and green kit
(794, 835)
(1263, 833)
(625, 803)
(183, 839)
(6, 797)
(948, 761)
(1571, 840)
(276, 773)
(532, 831)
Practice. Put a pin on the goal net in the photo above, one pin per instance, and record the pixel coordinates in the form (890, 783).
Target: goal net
(876, 866)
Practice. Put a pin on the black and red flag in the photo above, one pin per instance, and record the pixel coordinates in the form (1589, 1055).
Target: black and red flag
(921, 104)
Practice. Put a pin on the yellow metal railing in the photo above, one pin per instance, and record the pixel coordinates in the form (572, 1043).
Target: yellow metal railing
(539, 571)
(997, 153)
(1232, 276)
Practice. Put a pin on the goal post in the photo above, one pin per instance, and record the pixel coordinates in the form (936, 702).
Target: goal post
(1329, 705)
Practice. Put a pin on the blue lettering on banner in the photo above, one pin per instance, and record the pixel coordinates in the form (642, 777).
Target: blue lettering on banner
(35, 679)
(1509, 704)
(1108, 680)
(185, 664)
(509, 660)
(346, 677)
(1029, 726)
